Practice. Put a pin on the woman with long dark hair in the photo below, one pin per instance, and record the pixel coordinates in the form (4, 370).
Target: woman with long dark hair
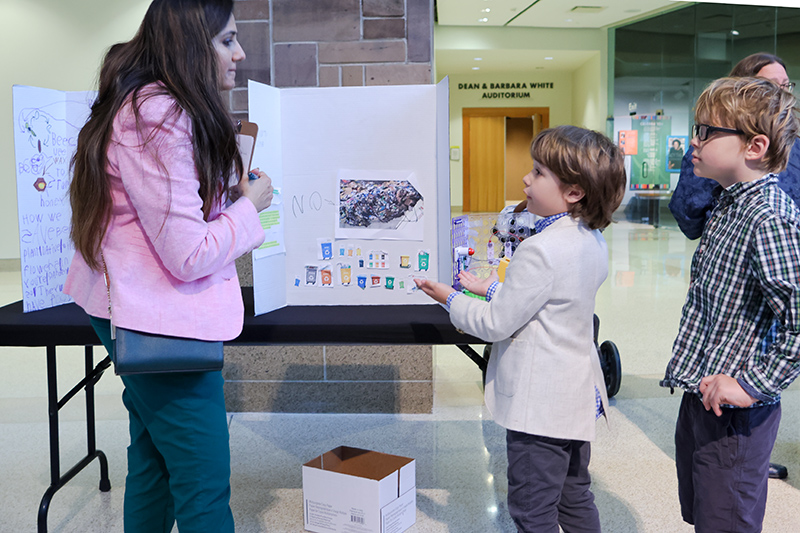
(157, 208)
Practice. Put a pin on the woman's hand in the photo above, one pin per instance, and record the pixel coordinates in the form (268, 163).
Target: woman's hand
(258, 191)
(434, 289)
(476, 285)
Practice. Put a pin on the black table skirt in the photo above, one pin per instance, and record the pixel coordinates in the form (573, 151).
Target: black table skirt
(68, 325)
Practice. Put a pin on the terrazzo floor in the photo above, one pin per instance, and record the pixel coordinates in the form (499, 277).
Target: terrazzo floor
(459, 451)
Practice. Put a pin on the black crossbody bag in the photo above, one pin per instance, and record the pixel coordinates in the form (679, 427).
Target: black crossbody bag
(138, 352)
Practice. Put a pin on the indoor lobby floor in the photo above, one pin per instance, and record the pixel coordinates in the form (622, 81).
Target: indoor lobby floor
(459, 451)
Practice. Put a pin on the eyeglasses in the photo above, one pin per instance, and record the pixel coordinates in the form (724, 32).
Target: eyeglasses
(788, 86)
(702, 131)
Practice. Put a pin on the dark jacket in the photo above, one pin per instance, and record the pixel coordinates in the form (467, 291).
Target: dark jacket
(695, 197)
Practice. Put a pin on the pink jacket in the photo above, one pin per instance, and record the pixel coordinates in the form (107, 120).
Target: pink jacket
(171, 272)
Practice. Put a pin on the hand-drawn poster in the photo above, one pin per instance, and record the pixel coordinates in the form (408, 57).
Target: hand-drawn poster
(379, 205)
(46, 126)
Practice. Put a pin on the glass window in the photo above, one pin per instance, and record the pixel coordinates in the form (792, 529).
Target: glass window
(662, 64)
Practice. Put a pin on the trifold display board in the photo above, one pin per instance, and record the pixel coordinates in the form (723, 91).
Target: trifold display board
(362, 201)
(46, 126)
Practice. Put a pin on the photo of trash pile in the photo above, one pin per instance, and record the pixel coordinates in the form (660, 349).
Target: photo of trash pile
(378, 204)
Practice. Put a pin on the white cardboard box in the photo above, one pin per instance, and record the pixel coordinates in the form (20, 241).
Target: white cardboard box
(350, 490)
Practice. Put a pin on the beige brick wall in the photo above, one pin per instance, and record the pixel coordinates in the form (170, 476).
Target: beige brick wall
(333, 43)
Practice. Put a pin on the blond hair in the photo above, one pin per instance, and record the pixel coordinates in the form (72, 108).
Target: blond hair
(590, 160)
(756, 106)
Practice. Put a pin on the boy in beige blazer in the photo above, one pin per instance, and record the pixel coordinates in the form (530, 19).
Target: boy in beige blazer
(544, 383)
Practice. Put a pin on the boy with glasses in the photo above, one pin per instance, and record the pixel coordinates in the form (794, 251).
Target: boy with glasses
(695, 197)
(745, 277)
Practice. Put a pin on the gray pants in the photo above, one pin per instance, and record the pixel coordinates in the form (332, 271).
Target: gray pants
(723, 465)
(548, 484)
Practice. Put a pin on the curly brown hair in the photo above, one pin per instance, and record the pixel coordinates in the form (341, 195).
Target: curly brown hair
(590, 160)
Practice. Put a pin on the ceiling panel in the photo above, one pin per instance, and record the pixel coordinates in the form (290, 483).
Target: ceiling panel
(547, 13)
(499, 61)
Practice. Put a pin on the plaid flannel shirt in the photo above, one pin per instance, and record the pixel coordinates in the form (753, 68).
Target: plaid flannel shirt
(745, 278)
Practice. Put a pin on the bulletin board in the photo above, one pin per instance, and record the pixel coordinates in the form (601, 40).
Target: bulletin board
(362, 201)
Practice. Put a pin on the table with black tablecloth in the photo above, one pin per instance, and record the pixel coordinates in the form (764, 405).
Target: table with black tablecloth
(68, 325)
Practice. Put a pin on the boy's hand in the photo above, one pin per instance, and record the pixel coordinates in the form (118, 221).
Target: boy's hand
(434, 289)
(719, 389)
(474, 284)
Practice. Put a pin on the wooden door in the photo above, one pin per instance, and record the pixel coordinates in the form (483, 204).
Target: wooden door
(484, 153)
(519, 134)
(486, 164)
(520, 131)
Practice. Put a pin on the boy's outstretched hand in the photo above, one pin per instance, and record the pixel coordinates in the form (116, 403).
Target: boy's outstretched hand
(476, 285)
(436, 290)
(719, 389)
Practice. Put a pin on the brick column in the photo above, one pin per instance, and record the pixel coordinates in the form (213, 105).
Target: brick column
(330, 43)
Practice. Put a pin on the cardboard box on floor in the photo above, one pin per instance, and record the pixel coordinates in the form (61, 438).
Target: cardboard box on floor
(359, 491)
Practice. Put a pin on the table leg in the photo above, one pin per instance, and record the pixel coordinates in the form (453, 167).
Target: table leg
(92, 375)
(92, 451)
(472, 354)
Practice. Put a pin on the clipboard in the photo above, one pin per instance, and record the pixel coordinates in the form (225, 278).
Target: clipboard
(246, 139)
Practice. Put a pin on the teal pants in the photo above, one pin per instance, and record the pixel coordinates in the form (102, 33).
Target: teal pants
(179, 456)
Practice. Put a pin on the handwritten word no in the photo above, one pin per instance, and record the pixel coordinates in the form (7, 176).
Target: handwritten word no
(299, 204)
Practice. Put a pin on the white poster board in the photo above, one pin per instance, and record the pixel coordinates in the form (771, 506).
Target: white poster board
(46, 126)
(362, 194)
(328, 152)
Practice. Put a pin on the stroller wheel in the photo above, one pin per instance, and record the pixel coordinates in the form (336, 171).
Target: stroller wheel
(612, 367)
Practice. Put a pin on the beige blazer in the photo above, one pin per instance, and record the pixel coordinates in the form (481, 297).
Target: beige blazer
(544, 366)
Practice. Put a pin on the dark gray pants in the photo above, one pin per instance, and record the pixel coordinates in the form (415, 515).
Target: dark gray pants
(723, 465)
(548, 484)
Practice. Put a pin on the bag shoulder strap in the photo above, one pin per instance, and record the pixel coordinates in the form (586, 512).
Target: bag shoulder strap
(108, 293)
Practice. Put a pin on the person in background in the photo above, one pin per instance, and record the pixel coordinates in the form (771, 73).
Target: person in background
(544, 383)
(745, 278)
(153, 206)
(695, 196)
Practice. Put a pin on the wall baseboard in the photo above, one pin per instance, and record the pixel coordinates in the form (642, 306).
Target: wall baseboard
(10, 265)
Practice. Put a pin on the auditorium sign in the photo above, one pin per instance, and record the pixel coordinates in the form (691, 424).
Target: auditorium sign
(503, 91)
